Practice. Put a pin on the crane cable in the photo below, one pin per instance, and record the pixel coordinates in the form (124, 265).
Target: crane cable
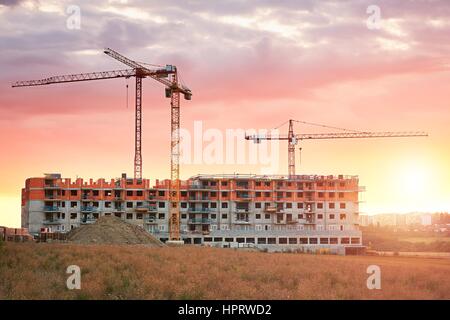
(150, 64)
(180, 80)
(319, 125)
(326, 126)
(160, 66)
(300, 154)
(127, 95)
(281, 125)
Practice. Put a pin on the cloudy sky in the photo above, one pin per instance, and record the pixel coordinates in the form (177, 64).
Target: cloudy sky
(250, 64)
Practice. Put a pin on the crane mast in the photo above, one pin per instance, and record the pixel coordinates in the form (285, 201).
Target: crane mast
(291, 149)
(293, 138)
(174, 190)
(138, 130)
(173, 90)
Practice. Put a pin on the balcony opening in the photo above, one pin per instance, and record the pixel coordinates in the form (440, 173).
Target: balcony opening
(250, 240)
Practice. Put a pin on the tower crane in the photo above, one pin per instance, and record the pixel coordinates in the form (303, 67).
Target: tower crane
(168, 76)
(293, 138)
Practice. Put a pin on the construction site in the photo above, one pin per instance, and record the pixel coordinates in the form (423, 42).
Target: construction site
(230, 157)
(271, 212)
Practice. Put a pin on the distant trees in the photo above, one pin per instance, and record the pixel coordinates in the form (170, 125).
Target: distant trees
(386, 239)
(440, 218)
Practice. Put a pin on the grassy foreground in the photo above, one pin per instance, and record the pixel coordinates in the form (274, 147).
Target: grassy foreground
(37, 271)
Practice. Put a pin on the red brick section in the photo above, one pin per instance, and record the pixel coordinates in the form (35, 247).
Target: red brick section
(324, 189)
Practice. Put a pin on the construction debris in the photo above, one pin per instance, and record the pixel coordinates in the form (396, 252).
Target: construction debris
(112, 230)
(15, 234)
(46, 235)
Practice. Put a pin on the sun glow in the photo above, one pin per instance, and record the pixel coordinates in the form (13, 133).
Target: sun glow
(414, 180)
(411, 186)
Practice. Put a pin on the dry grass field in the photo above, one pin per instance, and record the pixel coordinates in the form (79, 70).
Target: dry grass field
(37, 271)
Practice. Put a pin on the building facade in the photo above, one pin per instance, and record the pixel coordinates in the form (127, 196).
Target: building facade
(273, 212)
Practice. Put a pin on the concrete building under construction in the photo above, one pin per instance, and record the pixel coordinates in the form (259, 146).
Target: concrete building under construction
(306, 212)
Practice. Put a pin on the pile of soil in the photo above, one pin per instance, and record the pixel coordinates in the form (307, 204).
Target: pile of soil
(112, 230)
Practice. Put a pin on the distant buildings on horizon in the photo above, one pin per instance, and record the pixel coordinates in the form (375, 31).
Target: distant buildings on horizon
(406, 219)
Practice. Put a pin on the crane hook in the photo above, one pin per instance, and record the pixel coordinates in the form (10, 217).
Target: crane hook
(300, 155)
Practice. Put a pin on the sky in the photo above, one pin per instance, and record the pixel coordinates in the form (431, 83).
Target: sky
(250, 65)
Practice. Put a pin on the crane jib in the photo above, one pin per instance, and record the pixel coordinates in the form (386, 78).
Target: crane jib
(293, 138)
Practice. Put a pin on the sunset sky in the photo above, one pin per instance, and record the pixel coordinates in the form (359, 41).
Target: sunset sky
(250, 64)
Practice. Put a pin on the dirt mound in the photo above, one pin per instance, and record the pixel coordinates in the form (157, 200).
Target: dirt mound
(112, 230)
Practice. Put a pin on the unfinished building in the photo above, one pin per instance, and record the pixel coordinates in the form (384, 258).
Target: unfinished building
(306, 212)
